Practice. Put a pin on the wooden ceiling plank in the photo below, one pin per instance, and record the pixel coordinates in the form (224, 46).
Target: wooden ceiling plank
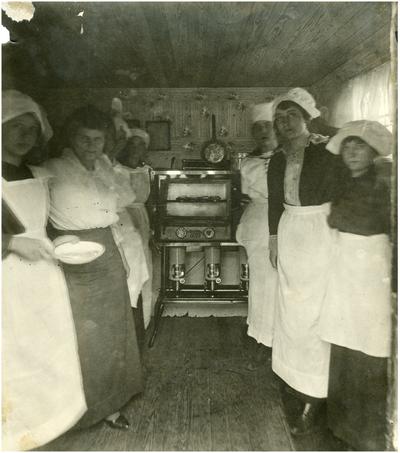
(302, 53)
(368, 54)
(354, 32)
(227, 67)
(311, 32)
(204, 57)
(218, 41)
(201, 44)
(129, 32)
(183, 31)
(367, 59)
(307, 23)
(268, 57)
(140, 38)
(342, 18)
(241, 40)
(233, 35)
(254, 68)
(160, 36)
(358, 42)
(176, 25)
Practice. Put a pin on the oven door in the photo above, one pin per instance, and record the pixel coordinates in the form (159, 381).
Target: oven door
(195, 209)
(195, 200)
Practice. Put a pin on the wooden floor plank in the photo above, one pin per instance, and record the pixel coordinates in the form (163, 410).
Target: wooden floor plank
(201, 395)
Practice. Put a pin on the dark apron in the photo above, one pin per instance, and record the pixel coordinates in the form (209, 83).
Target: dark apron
(107, 343)
(357, 398)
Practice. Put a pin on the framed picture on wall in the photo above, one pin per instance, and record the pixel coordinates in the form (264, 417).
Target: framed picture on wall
(160, 135)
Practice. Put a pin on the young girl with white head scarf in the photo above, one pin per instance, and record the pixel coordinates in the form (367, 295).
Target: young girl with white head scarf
(42, 390)
(356, 314)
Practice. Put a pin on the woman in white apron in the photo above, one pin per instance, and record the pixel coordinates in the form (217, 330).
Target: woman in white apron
(126, 233)
(252, 231)
(356, 315)
(131, 159)
(302, 179)
(42, 391)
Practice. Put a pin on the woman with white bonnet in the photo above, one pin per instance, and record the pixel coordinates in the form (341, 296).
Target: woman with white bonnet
(42, 388)
(356, 314)
(302, 179)
(252, 231)
(130, 238)
(133, 157)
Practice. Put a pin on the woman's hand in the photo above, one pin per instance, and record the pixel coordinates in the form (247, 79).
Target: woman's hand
(273, 251)
(65, 239)
(244, 200)
(31, 249)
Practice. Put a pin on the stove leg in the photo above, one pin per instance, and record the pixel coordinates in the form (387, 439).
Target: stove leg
(159, 309)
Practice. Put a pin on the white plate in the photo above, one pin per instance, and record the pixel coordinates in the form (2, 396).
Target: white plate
(79, 253)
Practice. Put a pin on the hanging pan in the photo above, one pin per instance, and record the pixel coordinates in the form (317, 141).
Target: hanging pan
(214, 151)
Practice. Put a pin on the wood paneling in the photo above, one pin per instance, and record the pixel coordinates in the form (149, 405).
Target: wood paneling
(200, 396)
(190, 44)
(180, 105)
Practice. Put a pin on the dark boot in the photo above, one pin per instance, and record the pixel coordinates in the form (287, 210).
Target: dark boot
(308, 421)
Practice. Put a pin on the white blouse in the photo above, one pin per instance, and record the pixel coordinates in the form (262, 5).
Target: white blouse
(294, 166)
(81, 199)
(254, 178)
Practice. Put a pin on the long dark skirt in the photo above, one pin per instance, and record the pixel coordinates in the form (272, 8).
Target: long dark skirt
(107, 343)
(357, 398)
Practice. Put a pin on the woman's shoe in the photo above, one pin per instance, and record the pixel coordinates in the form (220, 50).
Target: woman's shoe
(119, 423)
(307, 423)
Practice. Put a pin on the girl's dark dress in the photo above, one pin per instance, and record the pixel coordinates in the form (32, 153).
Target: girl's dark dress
(358, 382)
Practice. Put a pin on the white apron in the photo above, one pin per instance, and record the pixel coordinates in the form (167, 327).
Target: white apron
(140, 182)
(357, 310)
(126, 235)
(253, 234)
(299, 356)
(129, 241)
(42, 386)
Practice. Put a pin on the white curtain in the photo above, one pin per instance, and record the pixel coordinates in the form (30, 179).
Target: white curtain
(365, 97)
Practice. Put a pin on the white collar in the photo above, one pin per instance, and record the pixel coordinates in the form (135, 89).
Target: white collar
(69, 155)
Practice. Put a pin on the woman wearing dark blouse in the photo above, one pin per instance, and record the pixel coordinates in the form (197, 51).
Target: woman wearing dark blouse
(302, 180)
(356, 313)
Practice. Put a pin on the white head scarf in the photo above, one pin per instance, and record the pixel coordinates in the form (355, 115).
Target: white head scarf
(373, 133)
(262, 112)
(142, 134)
(121, 125)
(301, 97)
(15, 103)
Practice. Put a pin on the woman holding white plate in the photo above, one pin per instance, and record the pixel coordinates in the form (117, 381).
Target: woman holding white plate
(42, 392)
(81, 203)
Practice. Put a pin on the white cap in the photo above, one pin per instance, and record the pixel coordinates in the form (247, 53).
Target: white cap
(142, 134)
(15, 103)
(373, 133)
(301, 97)
(262, 112)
